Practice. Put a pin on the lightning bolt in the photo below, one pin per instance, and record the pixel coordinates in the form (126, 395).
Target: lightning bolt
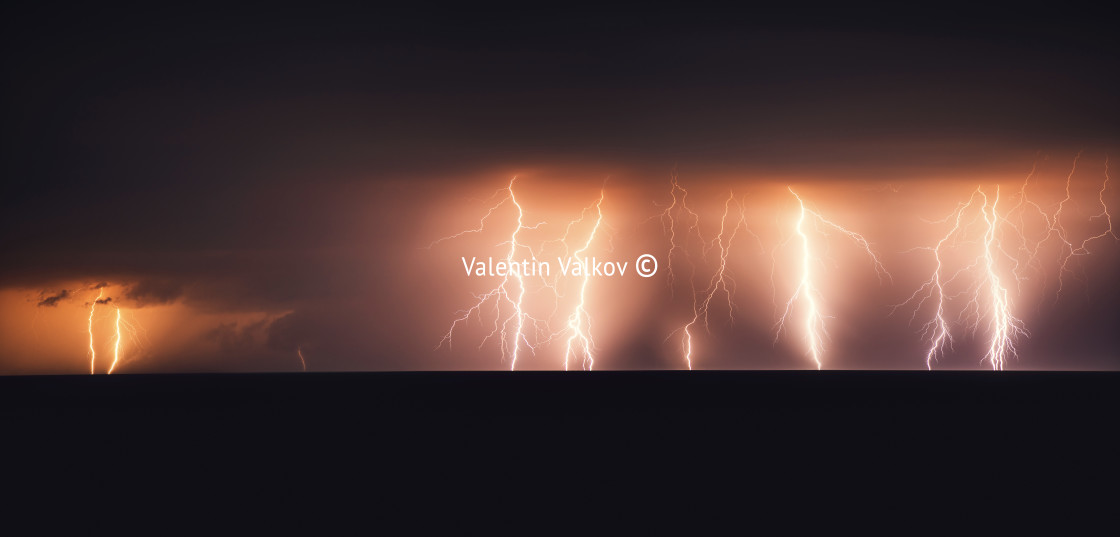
(720, 280)
(92, 307)
(116, 343)
(1055, 226)
(1058, 230)
(1005, 327)
(514, 327)
(1083, 248)
(813, 322)
(580, 336)
(302, 362)
(988, 297)
(937, 329)
(1024, 247)
(677, 214)
(510, 329)
(986, 288)
(987, 291)
(676, 210)
(520, 314)
(506, 196)
(120, 327)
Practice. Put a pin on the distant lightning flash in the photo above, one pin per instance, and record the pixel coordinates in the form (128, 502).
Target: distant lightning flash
(806, 291)
(302, 361)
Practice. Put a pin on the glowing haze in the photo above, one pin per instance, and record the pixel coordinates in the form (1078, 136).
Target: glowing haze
(792, 273)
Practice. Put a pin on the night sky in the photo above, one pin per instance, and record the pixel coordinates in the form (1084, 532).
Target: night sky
(270, 176)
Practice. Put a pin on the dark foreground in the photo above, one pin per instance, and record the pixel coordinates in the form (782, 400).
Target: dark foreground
(919, 440)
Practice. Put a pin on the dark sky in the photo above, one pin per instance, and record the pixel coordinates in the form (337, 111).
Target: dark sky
(241, 158)
(192, 88)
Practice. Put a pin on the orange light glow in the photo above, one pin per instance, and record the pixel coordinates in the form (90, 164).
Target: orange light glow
(757, 270)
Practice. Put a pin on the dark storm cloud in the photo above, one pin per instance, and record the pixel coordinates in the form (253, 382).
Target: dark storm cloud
(105, 300)
(302, 95)
(53, 300)
(151, 291)
(233, 337)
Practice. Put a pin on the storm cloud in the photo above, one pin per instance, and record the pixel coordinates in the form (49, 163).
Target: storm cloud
(54, 299)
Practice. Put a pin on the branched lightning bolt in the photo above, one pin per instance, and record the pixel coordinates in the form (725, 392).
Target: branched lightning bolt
(92, 352)
(988, 297)
(1019, 227)
(1055, 226)
(579, 323)
(677, 214)
(813, 322)
(1004, 326)
(937, 329)
(1058, 230)
(986, 292)
(1083, 248)
(512, 323)
(510, 329)
(506, 195)
(721, 280)
(669, 217)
